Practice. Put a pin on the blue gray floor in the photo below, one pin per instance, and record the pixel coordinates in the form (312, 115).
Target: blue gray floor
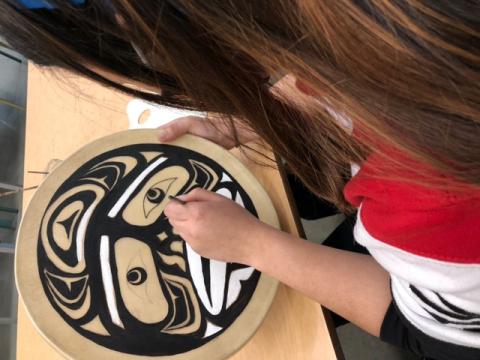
(356, 344)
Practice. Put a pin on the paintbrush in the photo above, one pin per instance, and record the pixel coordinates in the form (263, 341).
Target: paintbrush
(174, 198)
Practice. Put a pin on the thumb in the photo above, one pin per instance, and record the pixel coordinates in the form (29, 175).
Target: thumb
(199, 194)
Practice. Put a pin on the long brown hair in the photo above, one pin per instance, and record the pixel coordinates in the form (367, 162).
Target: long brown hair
(406, 72)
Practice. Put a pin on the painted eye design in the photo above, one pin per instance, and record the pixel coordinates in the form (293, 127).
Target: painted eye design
(136, 276)
(155, 195)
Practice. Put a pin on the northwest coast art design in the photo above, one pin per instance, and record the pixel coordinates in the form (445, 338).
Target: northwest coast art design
(114, 269)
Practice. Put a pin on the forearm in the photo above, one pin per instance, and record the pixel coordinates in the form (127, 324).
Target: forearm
(352, 285)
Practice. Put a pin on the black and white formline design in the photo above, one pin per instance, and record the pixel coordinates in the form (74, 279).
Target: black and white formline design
(112, 266)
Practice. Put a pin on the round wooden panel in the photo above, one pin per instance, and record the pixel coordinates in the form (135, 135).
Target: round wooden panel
(102, 273)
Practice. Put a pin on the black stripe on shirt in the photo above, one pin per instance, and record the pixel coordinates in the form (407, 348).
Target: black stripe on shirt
(464, 318)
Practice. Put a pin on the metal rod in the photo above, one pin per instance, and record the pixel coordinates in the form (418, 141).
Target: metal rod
(10, 186)
(7, 248)
(11, 104)
(17, 191)
(8, 210)
(38, 172)
(7, 321)
(11, 57)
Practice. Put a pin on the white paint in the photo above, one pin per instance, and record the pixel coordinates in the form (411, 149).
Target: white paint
(158, 114)
(108, 280)
(211, 329)
(238, 200)
(224, 192)
(234, 284)
(82, 230)
(226, 178)
(218, 271)
(218, 274)
(126, 195)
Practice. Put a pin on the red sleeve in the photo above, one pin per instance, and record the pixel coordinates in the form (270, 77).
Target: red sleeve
(430, 222)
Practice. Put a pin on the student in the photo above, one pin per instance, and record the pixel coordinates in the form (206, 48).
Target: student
(404, 73)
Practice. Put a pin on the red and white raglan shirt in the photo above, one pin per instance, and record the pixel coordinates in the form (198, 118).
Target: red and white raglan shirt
(429, 242)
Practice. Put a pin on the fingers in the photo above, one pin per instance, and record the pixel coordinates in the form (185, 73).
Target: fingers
(179, 226)
(176, 128)
(176, 211)
(196, 126)
(199, 194)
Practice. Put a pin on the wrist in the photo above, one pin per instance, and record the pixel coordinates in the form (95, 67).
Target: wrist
(261, 241)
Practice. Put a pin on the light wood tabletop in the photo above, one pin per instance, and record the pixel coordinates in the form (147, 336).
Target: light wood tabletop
(65, 112)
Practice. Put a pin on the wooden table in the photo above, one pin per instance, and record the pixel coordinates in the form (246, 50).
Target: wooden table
(65, 112)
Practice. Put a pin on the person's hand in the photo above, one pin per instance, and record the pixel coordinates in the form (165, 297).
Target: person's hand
(216, 227)
(213, 129)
